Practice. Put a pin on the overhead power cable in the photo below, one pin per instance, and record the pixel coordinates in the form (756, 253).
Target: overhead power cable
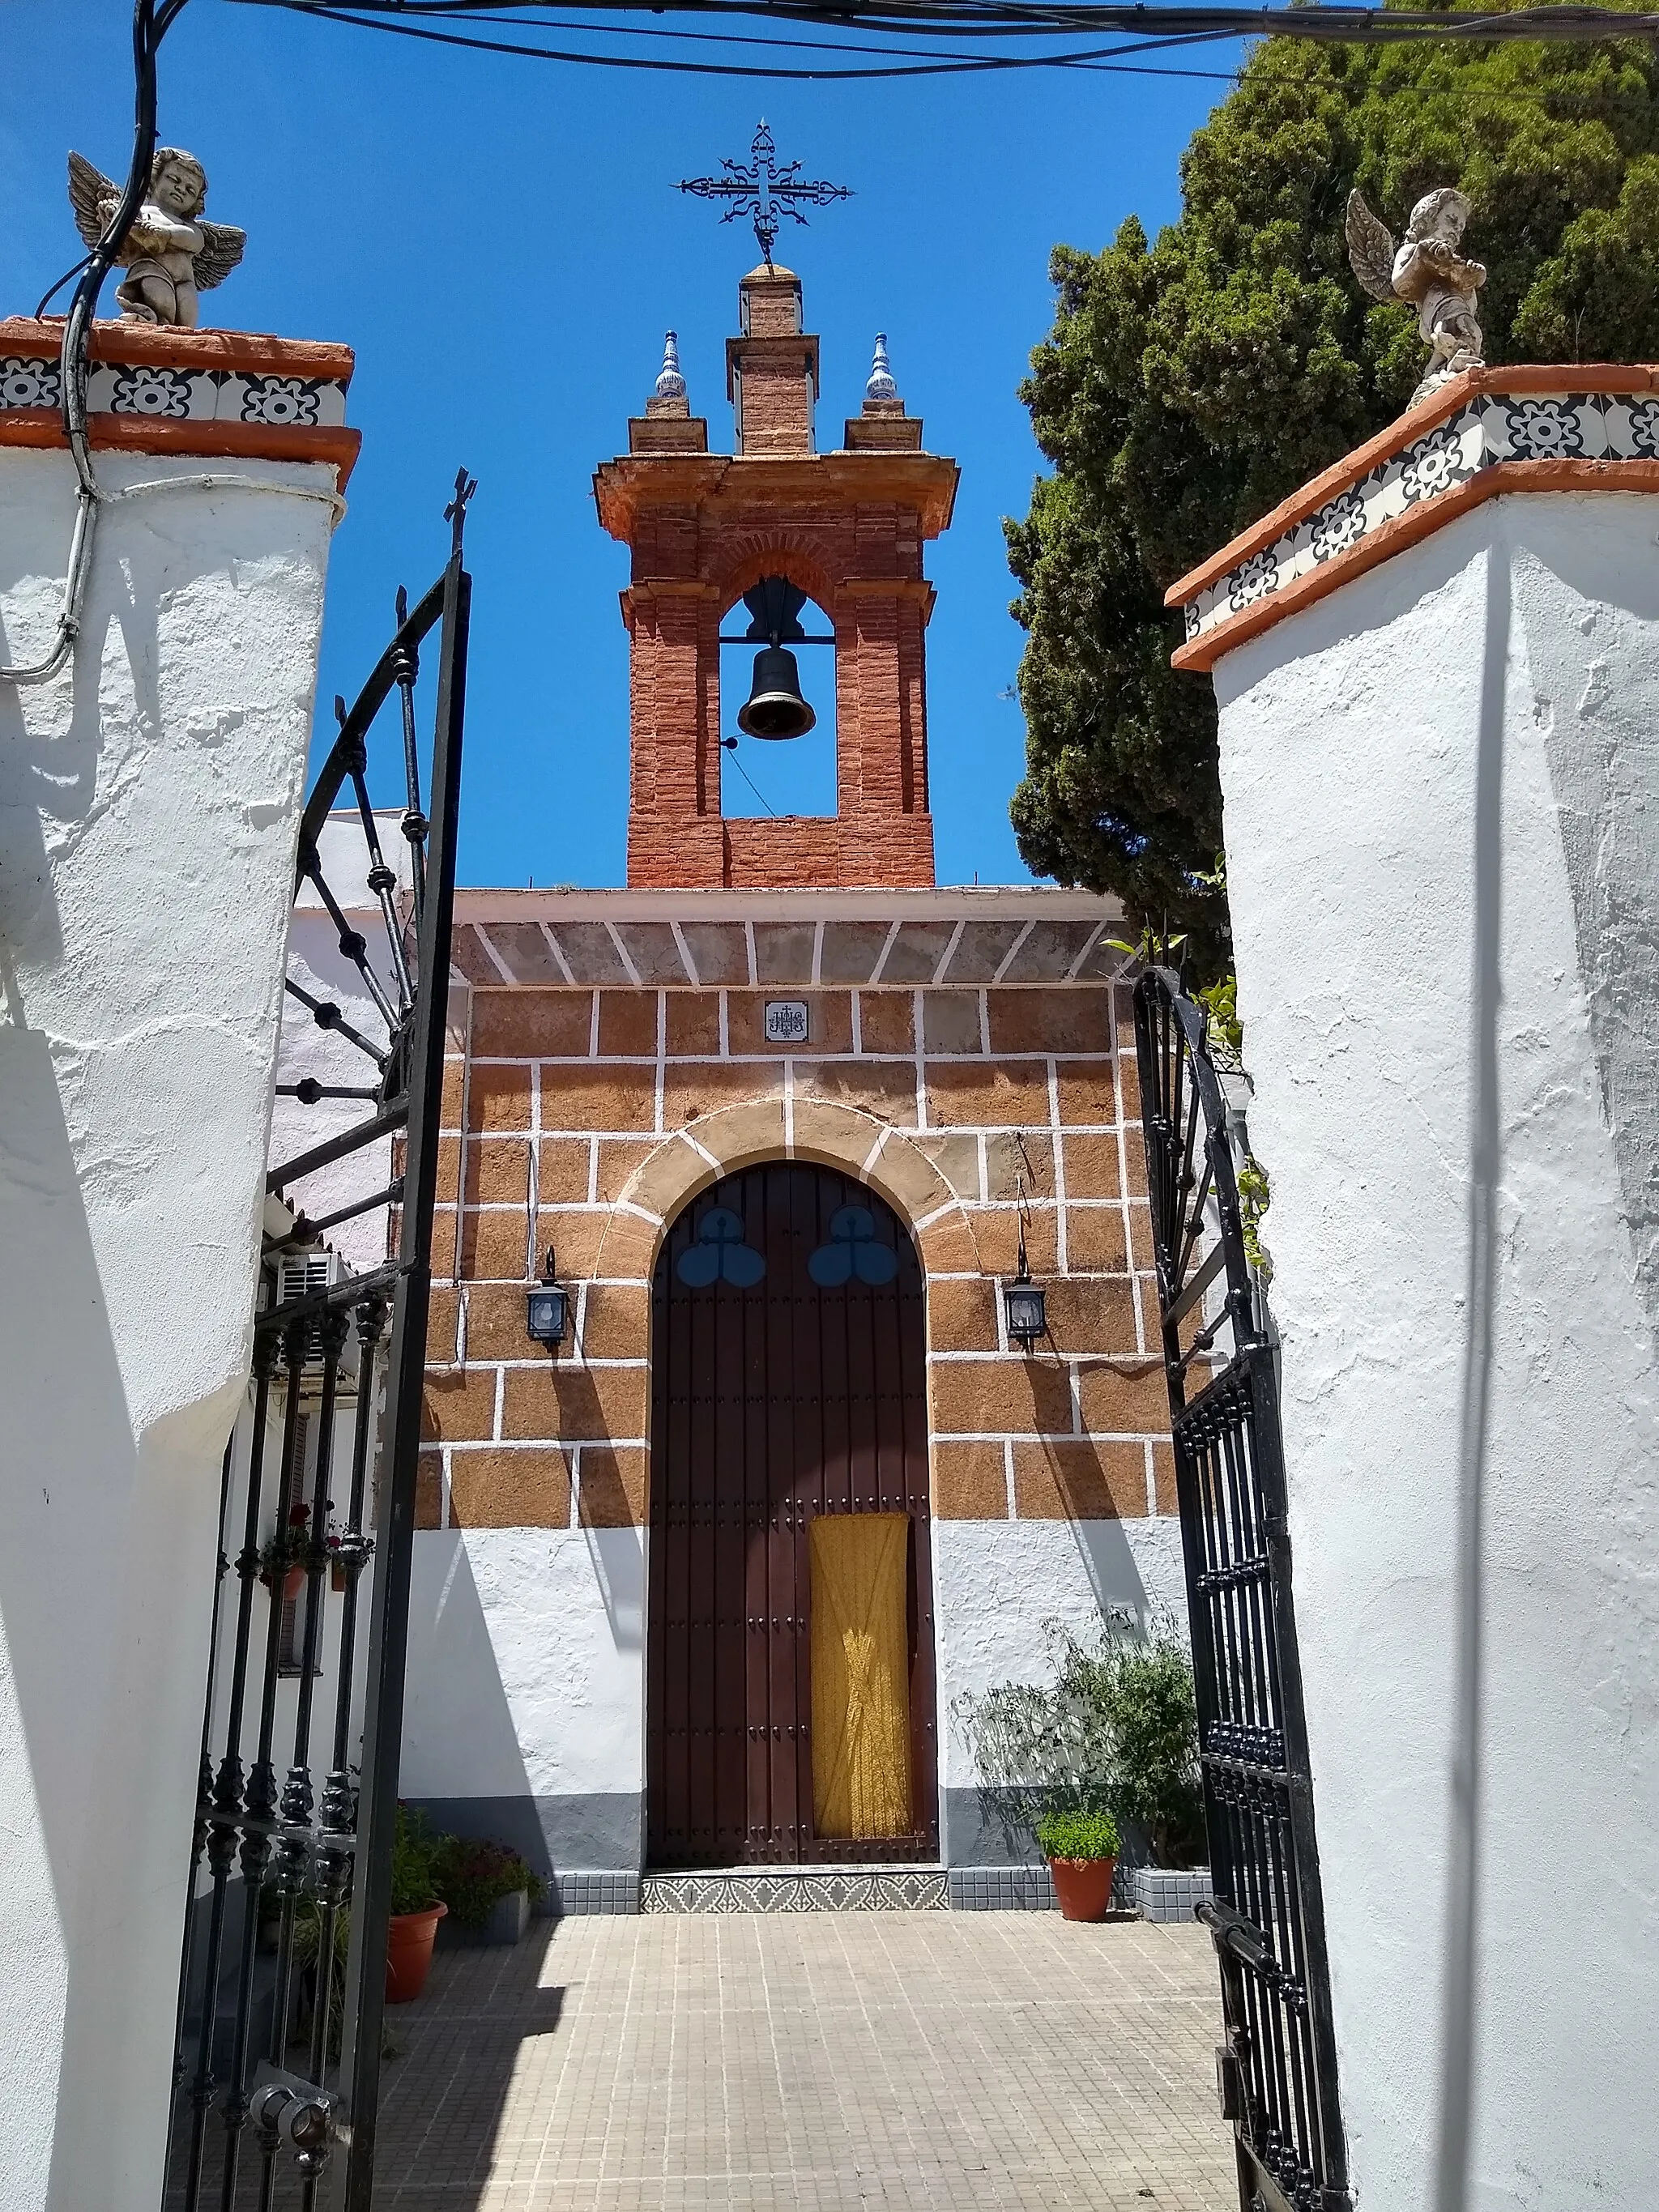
(1339, 24)
(969, 64)
(894, 25)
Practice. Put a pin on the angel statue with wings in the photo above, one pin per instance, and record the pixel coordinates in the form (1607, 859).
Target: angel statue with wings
(1431, 272)
(170, 254)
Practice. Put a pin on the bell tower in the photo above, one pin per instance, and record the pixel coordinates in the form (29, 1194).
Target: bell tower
(759, 529)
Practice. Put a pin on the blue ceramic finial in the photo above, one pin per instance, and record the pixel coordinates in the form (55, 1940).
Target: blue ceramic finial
(881, 385)
(670, 385)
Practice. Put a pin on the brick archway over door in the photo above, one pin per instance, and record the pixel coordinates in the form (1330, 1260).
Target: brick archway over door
(788, 1384)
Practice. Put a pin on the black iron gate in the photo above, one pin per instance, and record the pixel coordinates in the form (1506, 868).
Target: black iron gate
(280, 2027)
(1278, 2068)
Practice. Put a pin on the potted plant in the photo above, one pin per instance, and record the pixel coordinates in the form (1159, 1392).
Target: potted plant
(286, 1558)
(488, 1887)
(1113, 1732)
(416, 1908)
(1081, 1847)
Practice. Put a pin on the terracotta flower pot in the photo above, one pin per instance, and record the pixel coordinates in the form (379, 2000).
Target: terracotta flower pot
(409, 1939)
(1084, 1887)
(293, 1581)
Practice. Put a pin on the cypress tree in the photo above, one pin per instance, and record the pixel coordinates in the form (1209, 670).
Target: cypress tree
(1189, 385)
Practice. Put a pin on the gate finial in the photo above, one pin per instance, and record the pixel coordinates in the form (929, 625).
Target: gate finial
(455, 512)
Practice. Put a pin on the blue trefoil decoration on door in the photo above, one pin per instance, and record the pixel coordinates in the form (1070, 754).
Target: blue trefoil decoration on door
(720, 1255)
(853, 1253)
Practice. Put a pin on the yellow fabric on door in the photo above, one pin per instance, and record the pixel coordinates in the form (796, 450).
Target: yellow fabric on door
(860, 1674)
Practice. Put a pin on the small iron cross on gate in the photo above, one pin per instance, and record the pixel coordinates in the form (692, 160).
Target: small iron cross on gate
(760, 189)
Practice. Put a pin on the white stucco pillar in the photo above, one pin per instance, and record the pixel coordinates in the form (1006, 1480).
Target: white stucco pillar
(149, 798)
(1440, 760)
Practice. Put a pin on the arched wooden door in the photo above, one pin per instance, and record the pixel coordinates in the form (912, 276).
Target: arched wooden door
(790, 1635)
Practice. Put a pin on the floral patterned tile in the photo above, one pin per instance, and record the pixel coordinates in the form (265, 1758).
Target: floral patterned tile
(903, 1890)
(1568, 425)
(179, 395)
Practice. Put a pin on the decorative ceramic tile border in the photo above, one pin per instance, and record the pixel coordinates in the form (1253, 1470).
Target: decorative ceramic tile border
(1567, 436)
(209, 393)
(782, 1889)
(185, 394)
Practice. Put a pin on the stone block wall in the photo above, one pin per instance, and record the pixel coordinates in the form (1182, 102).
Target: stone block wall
(609, 1061)
(581, 1118)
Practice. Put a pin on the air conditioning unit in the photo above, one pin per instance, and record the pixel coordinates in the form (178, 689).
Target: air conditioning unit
(300, 1275)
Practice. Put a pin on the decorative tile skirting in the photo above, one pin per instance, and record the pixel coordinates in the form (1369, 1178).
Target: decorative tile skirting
(1156, 1892)
(1169, 1893)
(1583, 434)
(791, 1889)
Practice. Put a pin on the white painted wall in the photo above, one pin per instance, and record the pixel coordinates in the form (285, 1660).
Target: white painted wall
(526, 1667)
(526, 1663)
(1523, 639)
(149, 799)
(996, 1582)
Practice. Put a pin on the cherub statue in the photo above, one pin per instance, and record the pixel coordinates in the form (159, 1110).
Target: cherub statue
(170, 253)
(1430, 271)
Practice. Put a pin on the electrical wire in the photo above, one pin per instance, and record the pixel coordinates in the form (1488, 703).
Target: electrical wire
(797, 46)
(897, 22)
(970, 65)
(1340, 24)
(731, 746)
(150, 25)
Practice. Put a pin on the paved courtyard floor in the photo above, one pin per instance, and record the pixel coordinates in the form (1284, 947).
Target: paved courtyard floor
(812, 2062)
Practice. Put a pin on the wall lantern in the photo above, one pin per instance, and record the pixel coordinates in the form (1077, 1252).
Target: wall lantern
(1023, 1304)
(546, 1306)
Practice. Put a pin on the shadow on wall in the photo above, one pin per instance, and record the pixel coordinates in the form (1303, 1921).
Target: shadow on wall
(522, 1719)
(459, 1738)
(470, 2033)
(89, 1727)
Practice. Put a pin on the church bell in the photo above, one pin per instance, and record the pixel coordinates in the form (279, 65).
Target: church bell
(775, 708)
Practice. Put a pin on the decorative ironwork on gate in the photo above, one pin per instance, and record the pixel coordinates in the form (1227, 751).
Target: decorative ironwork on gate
(280, 2015)
(1278, 2069)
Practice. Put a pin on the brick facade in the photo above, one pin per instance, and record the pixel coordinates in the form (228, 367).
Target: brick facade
(607, 1066)
(849, 528)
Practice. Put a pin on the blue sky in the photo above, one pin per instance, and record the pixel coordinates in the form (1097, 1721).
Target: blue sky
(501, 242)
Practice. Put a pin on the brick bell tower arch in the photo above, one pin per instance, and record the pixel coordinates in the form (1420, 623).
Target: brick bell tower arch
(849, 528)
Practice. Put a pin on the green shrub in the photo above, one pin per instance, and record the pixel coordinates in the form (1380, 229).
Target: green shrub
(1076, 1836)
(309, 1915)
(472, 1874)
(1116, 1728)
(1154, 1721)
(414, 1862)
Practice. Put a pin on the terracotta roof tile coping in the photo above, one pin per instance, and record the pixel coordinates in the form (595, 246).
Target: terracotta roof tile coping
(150, 343)
(1438, 407)
(981, 902)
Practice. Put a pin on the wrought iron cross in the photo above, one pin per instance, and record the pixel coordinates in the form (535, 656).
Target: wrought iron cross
(759, 189)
